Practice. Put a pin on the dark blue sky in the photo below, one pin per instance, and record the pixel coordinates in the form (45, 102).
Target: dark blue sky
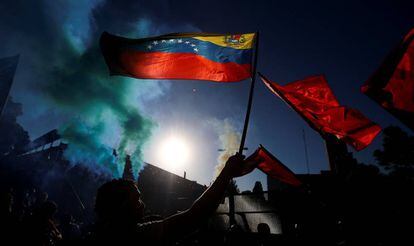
(345, 40)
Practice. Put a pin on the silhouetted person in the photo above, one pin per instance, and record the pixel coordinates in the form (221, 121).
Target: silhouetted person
(27, 203)
(41, 197)
(8, 221)
(120, 210)
(263, 232)
(69, 229)
(38, 201)
(6, 204)
(41, 228)
(263, 229)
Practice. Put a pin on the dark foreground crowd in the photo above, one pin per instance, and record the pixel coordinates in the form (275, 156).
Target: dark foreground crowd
(33, 222)
(120, 217)
(367, 209)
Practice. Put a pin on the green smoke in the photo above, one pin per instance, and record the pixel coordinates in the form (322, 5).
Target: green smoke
(62, 71)
(84, 147)
(105, 108)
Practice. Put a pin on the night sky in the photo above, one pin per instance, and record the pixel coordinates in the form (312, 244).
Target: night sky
(62, 80)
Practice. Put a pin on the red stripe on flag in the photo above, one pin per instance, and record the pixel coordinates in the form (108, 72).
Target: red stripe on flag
(161, 65)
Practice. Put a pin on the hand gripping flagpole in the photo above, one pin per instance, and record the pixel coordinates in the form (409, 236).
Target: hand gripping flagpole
(246, 122)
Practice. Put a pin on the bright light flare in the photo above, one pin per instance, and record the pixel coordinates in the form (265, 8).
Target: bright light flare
(174, 152)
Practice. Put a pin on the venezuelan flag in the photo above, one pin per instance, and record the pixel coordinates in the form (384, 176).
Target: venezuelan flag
(194, 56)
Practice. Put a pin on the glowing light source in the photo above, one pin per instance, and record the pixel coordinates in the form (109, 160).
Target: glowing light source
(174, 152)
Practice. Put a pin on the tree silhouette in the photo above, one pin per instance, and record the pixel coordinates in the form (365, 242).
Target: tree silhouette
(258, 187)
(128, 172)
(258, 190)
(397, 153)
(13, 138)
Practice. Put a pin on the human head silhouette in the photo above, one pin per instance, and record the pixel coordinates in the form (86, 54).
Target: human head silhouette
(119, 201)
(263, 229)
(48, 209)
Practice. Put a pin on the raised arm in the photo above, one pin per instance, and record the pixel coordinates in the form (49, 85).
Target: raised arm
(187, 221)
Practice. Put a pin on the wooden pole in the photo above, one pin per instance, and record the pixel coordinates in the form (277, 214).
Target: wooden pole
(249, 104)
(246, 123)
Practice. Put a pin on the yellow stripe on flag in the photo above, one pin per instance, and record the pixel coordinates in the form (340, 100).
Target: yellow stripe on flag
(241, 41)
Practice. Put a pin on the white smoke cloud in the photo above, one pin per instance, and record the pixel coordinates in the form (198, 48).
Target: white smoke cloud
(229, 139)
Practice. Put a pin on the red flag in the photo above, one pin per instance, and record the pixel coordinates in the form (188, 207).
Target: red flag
(273, 167)
(392, 85)
(315, 102)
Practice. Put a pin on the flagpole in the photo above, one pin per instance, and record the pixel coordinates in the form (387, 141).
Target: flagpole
(249, 104)
(232, 219)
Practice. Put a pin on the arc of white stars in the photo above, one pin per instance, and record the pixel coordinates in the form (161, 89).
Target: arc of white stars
(156, 42)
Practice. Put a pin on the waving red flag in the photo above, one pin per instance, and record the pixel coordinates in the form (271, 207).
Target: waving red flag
(273, 167)
(392, 85)
(315, 102)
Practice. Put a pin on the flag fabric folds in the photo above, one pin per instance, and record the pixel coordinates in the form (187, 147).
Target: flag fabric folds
(273, 167)
(194, 56)
(315, 102)
(7, 69)
(392, 85)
